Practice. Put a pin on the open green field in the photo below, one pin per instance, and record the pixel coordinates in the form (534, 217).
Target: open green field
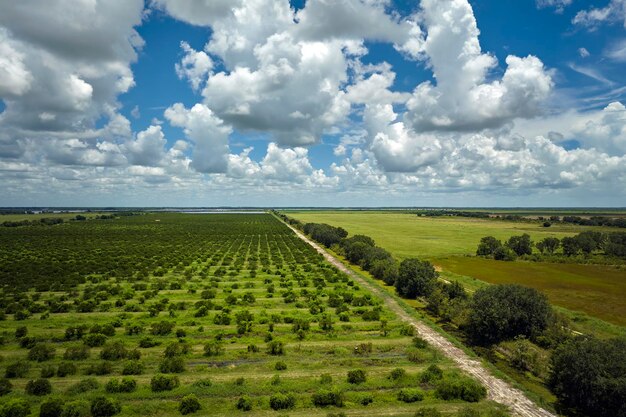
(594, 289)
(234, 308)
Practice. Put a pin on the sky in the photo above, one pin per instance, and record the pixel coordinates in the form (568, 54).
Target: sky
(313, 103)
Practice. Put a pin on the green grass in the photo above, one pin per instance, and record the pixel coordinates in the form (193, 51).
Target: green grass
(597, 290)
(199, 247)
(407, 235)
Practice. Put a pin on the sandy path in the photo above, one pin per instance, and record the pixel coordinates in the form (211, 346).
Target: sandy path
(497, 389)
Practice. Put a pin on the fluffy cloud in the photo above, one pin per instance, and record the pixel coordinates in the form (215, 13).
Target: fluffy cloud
(148, 149)
(194, 66)
(613, 12)
(15, 79)
(558, 5)
(462, 100)
(207, 132)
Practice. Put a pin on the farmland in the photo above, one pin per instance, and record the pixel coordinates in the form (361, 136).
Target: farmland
(594, 289)
(232, 312)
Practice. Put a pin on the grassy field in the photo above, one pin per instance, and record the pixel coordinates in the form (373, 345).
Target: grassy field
(596, 290)
(217, 292)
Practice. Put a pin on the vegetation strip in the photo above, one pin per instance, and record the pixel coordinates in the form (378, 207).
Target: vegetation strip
(498, 390)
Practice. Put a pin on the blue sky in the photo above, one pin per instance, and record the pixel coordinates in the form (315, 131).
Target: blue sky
(352, 102)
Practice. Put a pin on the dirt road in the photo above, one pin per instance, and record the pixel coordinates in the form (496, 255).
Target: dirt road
(497, 389)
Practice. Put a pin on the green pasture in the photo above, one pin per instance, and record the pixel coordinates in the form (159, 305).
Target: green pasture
(597, 290)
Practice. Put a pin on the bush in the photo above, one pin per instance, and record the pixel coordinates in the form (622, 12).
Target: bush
(410, 395)
(460, 388)
(325, 397)
(366, 399)
(94, 339)
(113, 351)
(244, 403)
(47, 371)
(78, 408)
(132, 368)
(125, 385)
(38, 387)
(173, 365)
(281, 401)
(100, 368)
(17, 369)
(41, 352)
(280, 366)
(104, 407)
(189, 404)
(84, 385)
(356, 376)
(397, 374)
(5, 386)
(432, 373)
(76, 353)
(419, 343)
(213, 348)
(160, 383)
(51, 407)
(148, 342)
(65, 369)
(275, 348)
(162, 328)
(15, 407)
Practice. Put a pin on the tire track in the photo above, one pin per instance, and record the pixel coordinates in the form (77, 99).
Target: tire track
(497, 390)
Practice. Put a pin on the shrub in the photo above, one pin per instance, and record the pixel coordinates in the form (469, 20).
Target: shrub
(125, 385)
(460, 388)
(100, 368)
(104, 407)
(326, 397)
(21, 331)
(244, 403)
(132, 368)
(432, 373)
(280, 366)
(281, 401)
(397, 374)
(366, 399)
(213, 348)
(51, 407)
(203, 383)
(356, 376)
(15, 407)
(78, 408)
(113, 351)
(275, 348)
(38, 387)
(94, 339)
(189, 404)
(41, 352)
(65, 369)
(160, 383)
(76, 353)
(410, 395)
(5, 386)
(419, 343)
(173, 365)
(162, 328)
(148, 342)
(48, 371)
(84, 385)
(17, 369)
(326, 379)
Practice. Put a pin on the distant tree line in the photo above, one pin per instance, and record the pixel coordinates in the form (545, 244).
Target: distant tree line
(586, 243)
(45, 221)
(547, 221)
